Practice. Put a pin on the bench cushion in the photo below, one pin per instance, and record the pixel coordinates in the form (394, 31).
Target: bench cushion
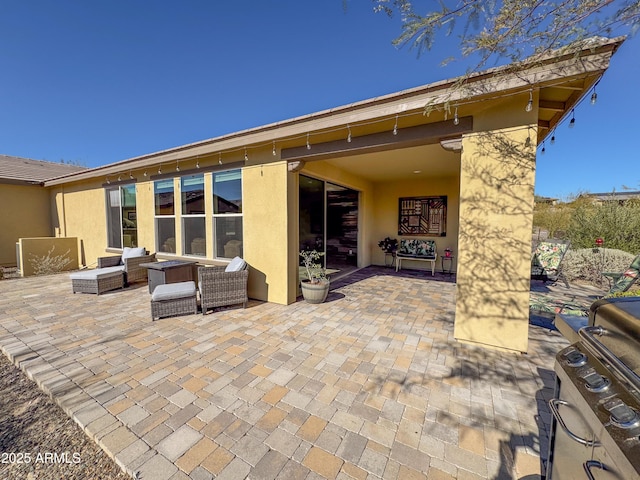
(96, 273)
(172, 291)
(417, 248)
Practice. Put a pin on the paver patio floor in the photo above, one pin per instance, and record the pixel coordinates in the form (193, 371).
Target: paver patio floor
(370, 384)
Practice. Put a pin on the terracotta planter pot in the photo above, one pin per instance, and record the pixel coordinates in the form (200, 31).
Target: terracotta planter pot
(315, 292)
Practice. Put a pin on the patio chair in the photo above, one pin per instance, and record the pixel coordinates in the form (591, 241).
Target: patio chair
(544, 303)
(221, 286)
(130, 261)
(620, 279)
(546, 262)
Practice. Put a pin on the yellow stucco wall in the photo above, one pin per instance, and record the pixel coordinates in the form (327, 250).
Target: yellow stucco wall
(45, 255)
(266, 230)
(386, 206)
(25, 213)
(496, 215)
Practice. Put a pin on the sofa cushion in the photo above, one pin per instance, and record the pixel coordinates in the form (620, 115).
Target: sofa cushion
(235, 265)
(96, 273)
(173, 291)
(129, 252)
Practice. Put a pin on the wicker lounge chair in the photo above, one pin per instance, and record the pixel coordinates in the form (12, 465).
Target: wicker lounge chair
(133, 272)
(220, 287)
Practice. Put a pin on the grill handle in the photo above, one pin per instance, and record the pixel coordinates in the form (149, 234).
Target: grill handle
(590, 464)
(588, 335)
(553, 406)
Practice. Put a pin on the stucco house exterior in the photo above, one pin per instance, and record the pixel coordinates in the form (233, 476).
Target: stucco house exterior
(452, 161)
(26, 205)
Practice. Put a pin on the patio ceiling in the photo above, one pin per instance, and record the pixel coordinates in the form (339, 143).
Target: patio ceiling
(407, 163)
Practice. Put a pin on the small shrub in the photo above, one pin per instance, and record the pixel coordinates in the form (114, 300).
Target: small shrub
(629, 293)
(48, 264)
(586, 265)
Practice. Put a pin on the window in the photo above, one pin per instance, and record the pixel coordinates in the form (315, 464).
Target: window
(122, 229)
(193, 220)
(227, 213)
(165, 216)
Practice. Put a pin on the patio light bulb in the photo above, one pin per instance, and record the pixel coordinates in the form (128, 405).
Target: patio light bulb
(145, 173)
(197, 163)
(349, 134)
(572, 122)
(395, 127)
(553, 139)
(220, 157)
(456, 120)
(131, 175)
(246, 156)
(119, 178)
(108, 181)
(594, 97)
(273, 151)
(543, 149)
(529, 106)
(308, 144)
(177, 167)
(160, 170)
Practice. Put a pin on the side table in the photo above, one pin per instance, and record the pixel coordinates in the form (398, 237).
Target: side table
(172, 271)
(449, 270)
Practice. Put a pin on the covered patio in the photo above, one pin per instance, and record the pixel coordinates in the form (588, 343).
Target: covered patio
(369, 384)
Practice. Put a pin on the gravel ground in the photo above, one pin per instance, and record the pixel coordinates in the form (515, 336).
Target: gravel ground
(37, 439)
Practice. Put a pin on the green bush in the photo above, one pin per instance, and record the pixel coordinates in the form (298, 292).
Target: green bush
(617, 224)
(587, 265)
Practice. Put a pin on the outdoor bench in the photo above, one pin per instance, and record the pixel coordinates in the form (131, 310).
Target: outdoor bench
(97, 281)
(420, 250)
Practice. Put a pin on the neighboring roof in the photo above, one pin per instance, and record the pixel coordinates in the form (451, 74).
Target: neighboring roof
(25, 170)
(618, 196)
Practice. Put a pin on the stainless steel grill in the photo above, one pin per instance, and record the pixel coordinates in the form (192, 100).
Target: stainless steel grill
(596, 408)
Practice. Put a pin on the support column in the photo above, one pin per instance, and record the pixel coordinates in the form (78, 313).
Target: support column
(494, 248)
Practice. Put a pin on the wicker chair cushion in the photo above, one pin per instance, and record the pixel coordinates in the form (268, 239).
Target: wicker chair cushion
(172, 291)
(96, 273)
(128, 252)
(235, 265)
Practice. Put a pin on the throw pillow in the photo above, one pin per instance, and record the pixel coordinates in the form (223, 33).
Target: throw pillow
(235, 265)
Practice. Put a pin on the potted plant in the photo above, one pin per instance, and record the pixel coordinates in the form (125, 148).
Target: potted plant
(388, 245)
(316, 286)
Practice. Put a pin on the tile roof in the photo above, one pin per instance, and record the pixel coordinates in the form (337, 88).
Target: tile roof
(25, 170)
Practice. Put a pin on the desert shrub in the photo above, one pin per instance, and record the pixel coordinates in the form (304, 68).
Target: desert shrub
(628, 293)
(587, 265)
(618, 224)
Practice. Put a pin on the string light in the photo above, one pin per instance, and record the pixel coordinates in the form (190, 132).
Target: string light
(529, 106)
(553, 138)
(349, 134)
(220, 157)
(119, 178)
(145, 173)
(395, 127)
(594, 96)
(308, 144)
(543, 148)
(456, 120)
(160, 170)
(246, 156)
(273, 151)
(197, 162)
(108, 181)
(130, 175)
(177, 166)
(572, 122)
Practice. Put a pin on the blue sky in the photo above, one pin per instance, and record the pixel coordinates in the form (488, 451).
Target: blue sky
(102, 81)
